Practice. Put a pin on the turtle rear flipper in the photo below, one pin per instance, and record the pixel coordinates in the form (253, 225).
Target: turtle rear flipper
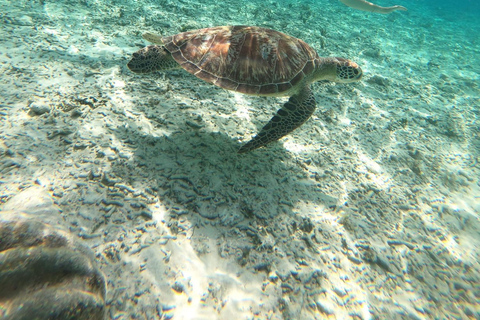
(152, 58)
(293, 114)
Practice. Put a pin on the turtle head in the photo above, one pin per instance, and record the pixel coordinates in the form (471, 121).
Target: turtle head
(346, 70)
(150, 59)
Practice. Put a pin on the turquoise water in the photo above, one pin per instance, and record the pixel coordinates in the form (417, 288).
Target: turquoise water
(369, 210)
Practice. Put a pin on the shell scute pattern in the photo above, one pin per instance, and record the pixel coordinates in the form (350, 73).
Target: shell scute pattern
(248, 89)
(269, 88)
(246, 59)
(309, 67)
(283, 87)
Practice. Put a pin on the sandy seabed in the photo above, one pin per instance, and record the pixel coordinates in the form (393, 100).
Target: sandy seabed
(370, 210)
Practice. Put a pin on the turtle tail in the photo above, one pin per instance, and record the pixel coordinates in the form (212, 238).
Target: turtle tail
(293, 114)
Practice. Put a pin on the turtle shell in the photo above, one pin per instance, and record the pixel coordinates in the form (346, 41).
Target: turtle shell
(245, 59)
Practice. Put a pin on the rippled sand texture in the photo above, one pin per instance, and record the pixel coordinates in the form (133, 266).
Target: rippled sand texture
(369, 210)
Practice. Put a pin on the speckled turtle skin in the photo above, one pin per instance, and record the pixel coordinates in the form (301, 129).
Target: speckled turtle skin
(250, 60)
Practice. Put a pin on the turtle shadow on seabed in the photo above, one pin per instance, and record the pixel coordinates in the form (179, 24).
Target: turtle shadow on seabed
(263, 202)
(261, 212)
(200, 172)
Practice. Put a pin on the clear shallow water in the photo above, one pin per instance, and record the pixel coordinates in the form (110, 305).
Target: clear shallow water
(369, 210)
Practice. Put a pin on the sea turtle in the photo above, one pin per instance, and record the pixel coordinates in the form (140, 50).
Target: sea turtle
(251, 60)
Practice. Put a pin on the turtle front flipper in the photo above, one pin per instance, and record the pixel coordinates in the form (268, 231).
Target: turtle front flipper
(292, 115)
(152, 58)
(153, 38)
